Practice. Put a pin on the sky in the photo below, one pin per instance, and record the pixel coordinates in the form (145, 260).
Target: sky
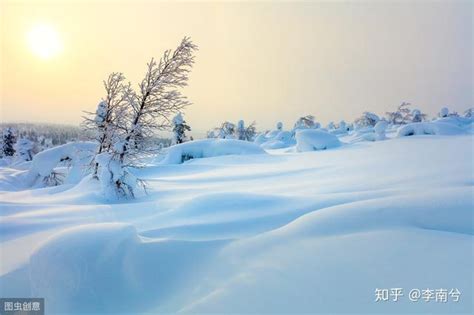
(257, 61)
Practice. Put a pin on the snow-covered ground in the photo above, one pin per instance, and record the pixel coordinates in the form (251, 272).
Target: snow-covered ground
(283, 232)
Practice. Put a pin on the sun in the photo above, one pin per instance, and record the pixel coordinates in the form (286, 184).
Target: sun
(44, 41)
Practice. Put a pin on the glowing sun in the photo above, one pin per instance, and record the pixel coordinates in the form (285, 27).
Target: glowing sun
(44, 41)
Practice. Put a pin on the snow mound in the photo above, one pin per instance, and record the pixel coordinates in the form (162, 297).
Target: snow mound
(429, 128)
(95, 267)
(311, 140)
(78, 154)
(180, 153)
(283, 139)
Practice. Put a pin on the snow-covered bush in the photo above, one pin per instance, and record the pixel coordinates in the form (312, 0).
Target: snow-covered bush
(444, 112)
(179, 129)
(8, 142)
(401, 115)
(25, 149)
(469, 113)
(226, 131)
(429, 128)
(279, 126)
(417, 116)
(283, 139)
(306, 122)
(245, 133)
(379, 130)
(311, 140)
(205, 148)
(367, 119)
(76, 155)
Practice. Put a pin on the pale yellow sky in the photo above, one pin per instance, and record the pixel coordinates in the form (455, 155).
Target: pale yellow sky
(263, 61)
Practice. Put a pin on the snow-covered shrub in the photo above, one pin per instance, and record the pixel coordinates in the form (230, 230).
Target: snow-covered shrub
(379, 130)
(245, 133)
(279, 126)
(367, 119)
(77, 155)
(444, 112)
(179, 129)
(331, 126)
(8, 142)
(311, 140)
(25, 149)
(180, 153)
(417, 116)
(469, 113)
(306, 122)
(283, 139)
(401, 115)
(429, 128)
(225, 131)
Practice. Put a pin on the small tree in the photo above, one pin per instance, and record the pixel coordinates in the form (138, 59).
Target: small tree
(279, 126)
(401, 115)
(417, 116)
(109, 122)
(226, 130)
(306, 122)
(8, 143)
(179, 129)
(25, 149)
(367, 119)
(469, 113)
(240, 131)
(144, 113)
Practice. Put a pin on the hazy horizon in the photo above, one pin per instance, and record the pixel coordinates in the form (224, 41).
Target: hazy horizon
(257, 61)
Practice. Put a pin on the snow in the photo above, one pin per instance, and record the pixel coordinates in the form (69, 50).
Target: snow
(309, 140)
(180, 153)
(429, 128)
(282, 139)
(282, 232)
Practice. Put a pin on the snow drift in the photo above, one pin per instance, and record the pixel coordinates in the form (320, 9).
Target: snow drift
(206, 148)
(311, 140)
(429, 128)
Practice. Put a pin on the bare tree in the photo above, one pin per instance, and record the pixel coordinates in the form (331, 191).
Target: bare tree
(158, 97)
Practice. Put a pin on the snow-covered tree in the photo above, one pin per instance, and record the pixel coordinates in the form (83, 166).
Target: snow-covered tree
(226, 130)
(367, 119)
(279, 126)
(25, 149)
(145, 112)
(444, 112)
(331, 126)
(8, 142)
(469, 113)
(108, 123)
(179, 129)
(417, 116)
(240, 130)
(342, 126)
(245, 133)
(401, 115)
(306, 122)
